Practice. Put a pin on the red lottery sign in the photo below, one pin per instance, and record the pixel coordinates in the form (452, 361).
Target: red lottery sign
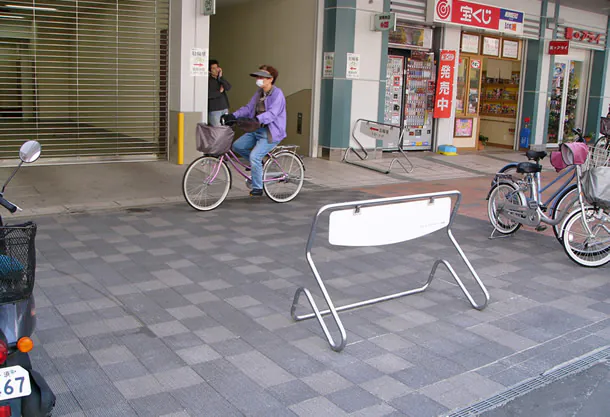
(443, 101)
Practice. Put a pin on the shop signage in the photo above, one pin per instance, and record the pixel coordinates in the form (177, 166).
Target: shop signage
(199, 62)
(469, 14)
(208, 7)
(582, 35)
(384, 21)
(352, 71)
(443, 101)
(329, 65)
(559, 47)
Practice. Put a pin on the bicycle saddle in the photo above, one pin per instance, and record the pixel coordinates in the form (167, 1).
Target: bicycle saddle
(528, 168)
(535, 155)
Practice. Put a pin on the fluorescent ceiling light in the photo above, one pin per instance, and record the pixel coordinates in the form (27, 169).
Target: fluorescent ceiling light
(46, 9)
(8, 16)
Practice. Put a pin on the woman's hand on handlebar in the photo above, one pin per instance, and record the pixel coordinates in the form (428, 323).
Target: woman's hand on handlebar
(228, 120)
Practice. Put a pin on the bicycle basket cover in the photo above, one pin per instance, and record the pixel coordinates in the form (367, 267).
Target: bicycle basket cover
(604, 126)
(557, 161)
(596, 187)
(214, 140)
(574, 153)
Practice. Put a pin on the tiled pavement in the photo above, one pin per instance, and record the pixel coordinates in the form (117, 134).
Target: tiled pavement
(170, 312)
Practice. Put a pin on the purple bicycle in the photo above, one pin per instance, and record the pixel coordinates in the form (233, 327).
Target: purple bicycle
(208, 179)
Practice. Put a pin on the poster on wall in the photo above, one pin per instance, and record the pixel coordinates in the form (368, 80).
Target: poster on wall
(510, 49)
(443, 101)
(199, 62)
(353, 66)
(491, 46)
(463, 128)
(329, 64)
(417, 37)
(470, 43)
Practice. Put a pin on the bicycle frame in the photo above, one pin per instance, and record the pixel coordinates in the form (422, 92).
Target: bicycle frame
(529, 215)
(233, 159)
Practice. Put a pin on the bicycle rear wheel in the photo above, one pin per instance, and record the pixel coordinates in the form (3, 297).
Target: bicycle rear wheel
(283, 176)
(501, 194)
(590, 250)
(206, 183)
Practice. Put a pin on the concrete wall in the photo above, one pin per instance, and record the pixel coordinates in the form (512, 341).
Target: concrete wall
(276, 32)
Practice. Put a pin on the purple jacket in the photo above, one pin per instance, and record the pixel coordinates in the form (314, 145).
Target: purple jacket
(274, 117)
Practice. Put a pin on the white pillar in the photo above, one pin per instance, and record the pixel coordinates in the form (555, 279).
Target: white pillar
(444, 127)
(187, 94)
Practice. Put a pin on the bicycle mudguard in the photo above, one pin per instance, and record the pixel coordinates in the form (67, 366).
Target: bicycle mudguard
(41, 401)
(500, 178)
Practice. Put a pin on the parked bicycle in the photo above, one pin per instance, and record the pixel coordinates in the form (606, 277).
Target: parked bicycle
(208, 179)
(515, 201)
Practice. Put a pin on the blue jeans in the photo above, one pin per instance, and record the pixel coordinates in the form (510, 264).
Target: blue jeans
(214, 117)
(254, 146)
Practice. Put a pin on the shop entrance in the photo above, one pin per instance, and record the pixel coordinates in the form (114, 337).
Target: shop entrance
(488, 91)
(567, 99)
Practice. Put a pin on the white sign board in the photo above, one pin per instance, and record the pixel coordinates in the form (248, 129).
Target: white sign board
(388, 224)
(329, 65)
(353, 66)
(383, 21)
(199, 62)
(208, 7)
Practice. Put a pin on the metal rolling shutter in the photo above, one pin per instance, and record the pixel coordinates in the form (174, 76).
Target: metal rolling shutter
(409, 10)
(85, 78)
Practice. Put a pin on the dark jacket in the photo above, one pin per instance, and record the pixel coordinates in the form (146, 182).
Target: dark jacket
(217, 100)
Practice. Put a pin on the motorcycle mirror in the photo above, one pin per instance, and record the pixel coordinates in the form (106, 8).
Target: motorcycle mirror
(30, 151)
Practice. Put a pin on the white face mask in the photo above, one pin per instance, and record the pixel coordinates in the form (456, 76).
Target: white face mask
(260, 83)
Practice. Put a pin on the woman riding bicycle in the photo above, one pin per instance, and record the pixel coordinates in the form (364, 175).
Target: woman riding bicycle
(267, 109)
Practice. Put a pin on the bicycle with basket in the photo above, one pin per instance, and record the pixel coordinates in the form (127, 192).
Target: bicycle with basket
(208, 179)
(515, 201)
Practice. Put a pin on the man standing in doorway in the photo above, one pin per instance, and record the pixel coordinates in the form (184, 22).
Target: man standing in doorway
(218, 101)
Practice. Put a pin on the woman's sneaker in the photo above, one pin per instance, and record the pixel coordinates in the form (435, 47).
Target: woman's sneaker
(256, 192)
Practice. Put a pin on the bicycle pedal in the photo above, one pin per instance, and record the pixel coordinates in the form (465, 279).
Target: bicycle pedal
(541, 228)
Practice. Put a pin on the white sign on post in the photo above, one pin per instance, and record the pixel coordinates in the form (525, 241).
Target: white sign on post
(199, 62)
(382, 22)
(353, 66)
(208, 7)
(329, 65)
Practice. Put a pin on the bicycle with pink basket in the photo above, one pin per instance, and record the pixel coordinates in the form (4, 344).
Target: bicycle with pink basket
(208, 179)
(515, 201)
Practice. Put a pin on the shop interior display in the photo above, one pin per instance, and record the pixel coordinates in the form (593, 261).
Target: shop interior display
(500, 96)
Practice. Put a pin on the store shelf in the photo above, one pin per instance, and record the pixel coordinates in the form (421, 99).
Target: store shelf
(498, 100)
(502, 116)
(500, 85)
(498, 118)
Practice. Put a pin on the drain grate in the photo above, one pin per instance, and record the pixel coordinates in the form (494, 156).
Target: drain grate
(532, 384)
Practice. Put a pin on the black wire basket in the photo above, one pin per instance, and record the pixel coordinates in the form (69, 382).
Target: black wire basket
(17, 262)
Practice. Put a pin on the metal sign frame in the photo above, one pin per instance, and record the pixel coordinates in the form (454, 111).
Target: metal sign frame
(334, 311)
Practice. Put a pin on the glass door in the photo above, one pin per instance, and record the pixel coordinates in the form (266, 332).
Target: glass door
(557, 99)
(565, 112)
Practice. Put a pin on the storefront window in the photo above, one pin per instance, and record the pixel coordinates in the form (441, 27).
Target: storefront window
(474, 83)
(461, 85)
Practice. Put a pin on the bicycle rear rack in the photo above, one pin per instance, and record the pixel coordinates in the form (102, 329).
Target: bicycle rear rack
(364, 154)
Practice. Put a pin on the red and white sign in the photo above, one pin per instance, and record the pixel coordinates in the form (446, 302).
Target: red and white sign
(467, 13)
(443, 101)
(559, 47)
(582, 35)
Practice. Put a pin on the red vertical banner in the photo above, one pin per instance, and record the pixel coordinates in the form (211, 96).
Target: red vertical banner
(443, 102)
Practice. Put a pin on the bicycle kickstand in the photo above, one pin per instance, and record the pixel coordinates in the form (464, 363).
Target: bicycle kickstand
(491, 237)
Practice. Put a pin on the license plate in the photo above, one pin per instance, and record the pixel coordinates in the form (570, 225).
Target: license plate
(14, 383)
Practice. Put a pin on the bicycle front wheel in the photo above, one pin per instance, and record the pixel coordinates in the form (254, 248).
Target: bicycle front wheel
(587, 249)
(500, 195)
(206, 183)
(565, 203)
(283, 176)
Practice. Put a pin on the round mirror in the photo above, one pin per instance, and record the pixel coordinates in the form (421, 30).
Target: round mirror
(30, 151)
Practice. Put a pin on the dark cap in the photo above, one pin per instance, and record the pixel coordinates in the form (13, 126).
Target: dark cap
(261, 73)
